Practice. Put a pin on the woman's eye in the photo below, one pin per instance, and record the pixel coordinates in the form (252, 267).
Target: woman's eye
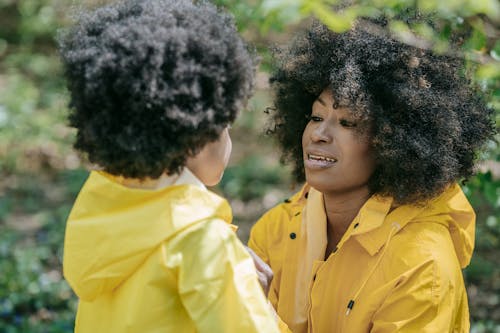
(347, 123)
(315, 118)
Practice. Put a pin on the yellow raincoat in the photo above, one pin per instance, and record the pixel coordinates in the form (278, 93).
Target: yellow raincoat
(159, 261)
(393, 271)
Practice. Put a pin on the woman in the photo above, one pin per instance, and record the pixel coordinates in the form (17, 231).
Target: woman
(376, 239)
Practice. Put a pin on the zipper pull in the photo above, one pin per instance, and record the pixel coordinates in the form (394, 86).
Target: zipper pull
(349, 307)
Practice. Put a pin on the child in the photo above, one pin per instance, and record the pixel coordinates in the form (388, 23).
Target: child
(154, 86)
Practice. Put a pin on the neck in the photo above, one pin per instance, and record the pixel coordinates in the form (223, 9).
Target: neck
(149, 183)
(341, 209)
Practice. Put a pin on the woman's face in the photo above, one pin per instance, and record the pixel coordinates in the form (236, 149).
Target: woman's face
(337, 159)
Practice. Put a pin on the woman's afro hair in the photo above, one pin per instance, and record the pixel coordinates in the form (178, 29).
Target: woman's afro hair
(425, 120)
(152, 82)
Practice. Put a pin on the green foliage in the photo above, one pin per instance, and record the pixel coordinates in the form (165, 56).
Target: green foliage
(475, 21)
(40, 175)
(483, 193)
(251, 178)
(33, 295)
(32, 100)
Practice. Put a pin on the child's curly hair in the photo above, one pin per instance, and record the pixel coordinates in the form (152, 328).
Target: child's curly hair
(425, 119)
(152, 82)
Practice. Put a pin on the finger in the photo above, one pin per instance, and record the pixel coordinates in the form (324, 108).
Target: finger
(259, 263)
(264, 282)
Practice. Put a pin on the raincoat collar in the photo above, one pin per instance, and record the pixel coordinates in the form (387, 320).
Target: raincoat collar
(375, 220)
(185, 177)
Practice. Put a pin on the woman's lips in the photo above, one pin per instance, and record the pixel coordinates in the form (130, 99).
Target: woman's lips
(316, 161)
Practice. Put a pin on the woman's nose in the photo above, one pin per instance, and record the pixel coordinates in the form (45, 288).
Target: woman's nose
(321, 133)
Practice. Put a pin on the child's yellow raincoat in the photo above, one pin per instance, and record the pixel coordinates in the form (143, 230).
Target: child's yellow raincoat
(159, 261)
(394, 270)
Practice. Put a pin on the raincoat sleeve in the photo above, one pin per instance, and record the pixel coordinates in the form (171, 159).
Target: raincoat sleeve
(258, 242)
(422, 301)
(258, 239)
(217, 281)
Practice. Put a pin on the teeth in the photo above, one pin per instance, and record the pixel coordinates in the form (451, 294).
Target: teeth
(321, 158)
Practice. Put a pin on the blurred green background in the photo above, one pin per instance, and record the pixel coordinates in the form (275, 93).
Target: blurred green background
(40, 174)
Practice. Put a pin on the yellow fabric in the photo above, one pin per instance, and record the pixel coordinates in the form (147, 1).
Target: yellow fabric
(402, 267)
(159, 261)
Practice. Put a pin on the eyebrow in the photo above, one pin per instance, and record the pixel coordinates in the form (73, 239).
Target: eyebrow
(321, 101)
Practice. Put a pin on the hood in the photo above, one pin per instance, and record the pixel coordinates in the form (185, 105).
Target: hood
(451, 209)
(112, 229)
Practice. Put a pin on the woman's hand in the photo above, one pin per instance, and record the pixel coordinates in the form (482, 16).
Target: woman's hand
(264, 272)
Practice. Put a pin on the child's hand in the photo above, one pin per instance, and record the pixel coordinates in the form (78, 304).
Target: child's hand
(264, 272)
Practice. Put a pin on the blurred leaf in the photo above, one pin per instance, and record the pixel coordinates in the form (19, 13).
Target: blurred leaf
(489, 71)
(495, 51)
(479, 269)
(336, 22)
(491, 192)
(478, 40)
(251, 178)
(490, 8)
(492, 222)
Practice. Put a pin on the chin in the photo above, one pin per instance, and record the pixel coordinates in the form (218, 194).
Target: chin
(318, 187)
(322, 184)
(316, 180)
(212, 181)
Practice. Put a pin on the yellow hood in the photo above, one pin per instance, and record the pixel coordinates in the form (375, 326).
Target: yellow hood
(451, 209)
(108, 239)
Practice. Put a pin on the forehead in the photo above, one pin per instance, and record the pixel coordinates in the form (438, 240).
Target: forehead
(326, 98)
(327, 102)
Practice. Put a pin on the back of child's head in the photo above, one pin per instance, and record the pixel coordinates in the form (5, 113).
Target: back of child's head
(152, 82)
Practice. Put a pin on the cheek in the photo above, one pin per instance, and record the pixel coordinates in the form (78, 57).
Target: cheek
(359, 151)
(305, 136)
(367, 159)
(227, 152)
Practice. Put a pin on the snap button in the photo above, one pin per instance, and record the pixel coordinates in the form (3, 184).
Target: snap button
(293, 235)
